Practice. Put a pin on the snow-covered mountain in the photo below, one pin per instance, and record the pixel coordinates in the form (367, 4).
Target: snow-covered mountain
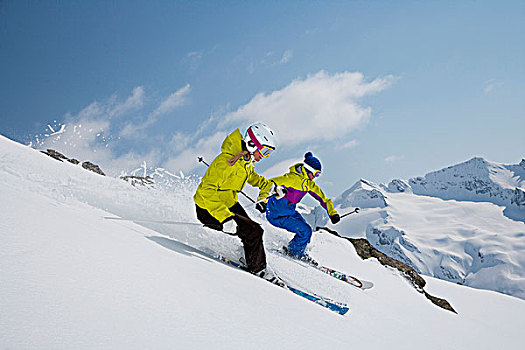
(69, 278)
(478, 180)
(462, 224)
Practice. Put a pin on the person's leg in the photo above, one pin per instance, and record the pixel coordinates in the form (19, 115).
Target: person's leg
(296, 224)
(207, 219)
(251, 235)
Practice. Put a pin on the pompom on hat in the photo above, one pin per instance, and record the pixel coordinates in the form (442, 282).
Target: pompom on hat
(312, 161)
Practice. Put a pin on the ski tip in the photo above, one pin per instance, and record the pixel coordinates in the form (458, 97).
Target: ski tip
(367, 285)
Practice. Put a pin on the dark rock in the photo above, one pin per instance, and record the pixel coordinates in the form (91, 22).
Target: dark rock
(442, 303)
(366, 250)
(93, 167)
(54, 154)
(86, 165)
(397, 185)
(518, 198)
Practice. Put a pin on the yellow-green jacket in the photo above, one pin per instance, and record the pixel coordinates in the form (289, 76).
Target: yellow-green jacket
(298, 184)
(218, 189)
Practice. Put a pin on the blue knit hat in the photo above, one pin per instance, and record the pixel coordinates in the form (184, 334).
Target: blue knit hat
(312, 161)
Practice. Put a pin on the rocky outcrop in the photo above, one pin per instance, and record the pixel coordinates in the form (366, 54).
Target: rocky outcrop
(86, 165)
(59, 156)
(366, 251)
(398, 186)
(56, 155)
(93, 167)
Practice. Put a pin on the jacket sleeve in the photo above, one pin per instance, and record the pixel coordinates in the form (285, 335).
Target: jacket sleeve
(210, 188)
(316, 192)
(278, 181)
(257, 180)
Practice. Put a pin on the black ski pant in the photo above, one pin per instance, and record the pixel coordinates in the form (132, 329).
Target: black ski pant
(250, 233)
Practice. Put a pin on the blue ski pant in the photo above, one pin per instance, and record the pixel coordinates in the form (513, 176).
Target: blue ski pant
(290, 220)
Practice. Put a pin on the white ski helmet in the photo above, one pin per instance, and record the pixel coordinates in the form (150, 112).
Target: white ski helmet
(260, 137)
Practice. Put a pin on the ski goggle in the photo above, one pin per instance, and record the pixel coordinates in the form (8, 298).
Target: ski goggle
(311, 170)
(265, 150)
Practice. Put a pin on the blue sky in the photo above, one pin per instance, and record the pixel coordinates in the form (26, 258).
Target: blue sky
(376, 89)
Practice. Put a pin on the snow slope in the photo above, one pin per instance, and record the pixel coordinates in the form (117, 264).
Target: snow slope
(71, 279)
(452, 224)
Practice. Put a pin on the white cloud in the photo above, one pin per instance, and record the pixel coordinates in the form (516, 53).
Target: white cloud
(175, 100)
(394, 158)
(186, 160)
(270, 59)
(87, 135)
(135, 101)
(281, 168)
(194, 59)
(287, 56)
(490, 85)
(179, 141)
(321, 107)
(349, 144)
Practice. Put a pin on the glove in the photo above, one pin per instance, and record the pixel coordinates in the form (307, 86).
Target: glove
(335, 218)
(278, 191)
(261, 206)
(229, 226)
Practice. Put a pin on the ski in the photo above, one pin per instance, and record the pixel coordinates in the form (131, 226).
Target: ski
(353, 281)
(338, 307)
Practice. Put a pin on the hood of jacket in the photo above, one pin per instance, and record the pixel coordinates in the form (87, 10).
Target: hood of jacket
(232, 143)
(299, 170)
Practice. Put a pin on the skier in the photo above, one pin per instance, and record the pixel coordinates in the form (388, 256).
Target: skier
(216, 197)
(291, 188)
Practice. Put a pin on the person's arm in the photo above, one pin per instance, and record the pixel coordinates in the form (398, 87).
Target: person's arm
(259, 181)
(316, 192)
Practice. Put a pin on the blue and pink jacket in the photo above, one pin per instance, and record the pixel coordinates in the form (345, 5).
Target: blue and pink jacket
(298, 185)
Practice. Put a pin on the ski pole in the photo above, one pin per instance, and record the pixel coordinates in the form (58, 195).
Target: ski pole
(356, 210)
(245, 195)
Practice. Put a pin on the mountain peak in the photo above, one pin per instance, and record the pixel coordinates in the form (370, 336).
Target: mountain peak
(363, 194)
(477, 180)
